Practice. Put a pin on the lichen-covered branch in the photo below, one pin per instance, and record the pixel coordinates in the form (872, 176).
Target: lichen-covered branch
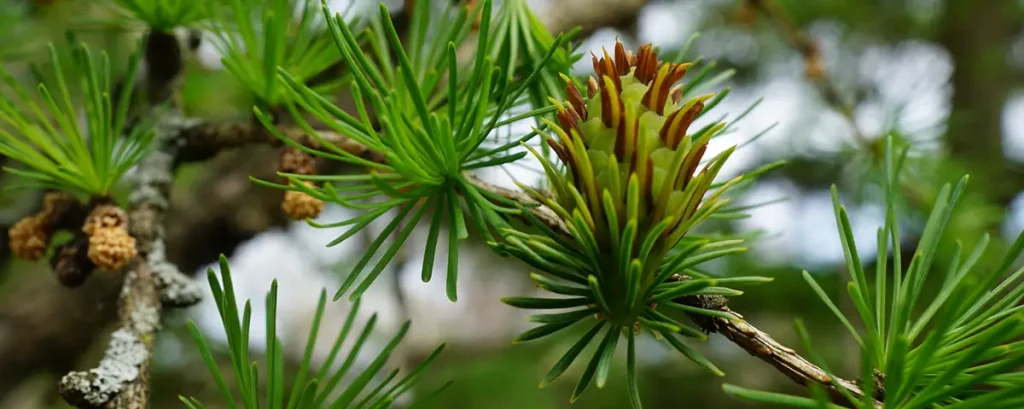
(149, 203)
(120, 381)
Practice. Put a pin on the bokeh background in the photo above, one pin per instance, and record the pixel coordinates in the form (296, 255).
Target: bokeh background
(826, 79)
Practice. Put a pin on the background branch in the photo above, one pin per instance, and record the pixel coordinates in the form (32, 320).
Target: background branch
(590, 15)
(814, 63)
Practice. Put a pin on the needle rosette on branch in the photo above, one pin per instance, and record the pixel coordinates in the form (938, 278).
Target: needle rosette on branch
(637, 179)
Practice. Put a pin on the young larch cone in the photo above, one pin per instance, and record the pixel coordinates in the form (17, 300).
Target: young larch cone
(628, 140)
(110, 244)
(30, 236)
(300, 205)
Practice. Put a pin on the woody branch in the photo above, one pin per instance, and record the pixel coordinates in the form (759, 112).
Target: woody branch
(150, 282)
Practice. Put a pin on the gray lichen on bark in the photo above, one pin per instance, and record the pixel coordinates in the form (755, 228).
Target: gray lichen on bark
(150, 282)
(120, 365)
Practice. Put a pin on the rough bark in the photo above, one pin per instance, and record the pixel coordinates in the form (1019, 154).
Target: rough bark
(121, 379)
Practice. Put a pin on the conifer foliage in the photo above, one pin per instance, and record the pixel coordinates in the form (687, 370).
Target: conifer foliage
(618, 234)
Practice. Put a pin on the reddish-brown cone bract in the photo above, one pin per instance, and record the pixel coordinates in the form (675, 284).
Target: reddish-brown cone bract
(660, 79)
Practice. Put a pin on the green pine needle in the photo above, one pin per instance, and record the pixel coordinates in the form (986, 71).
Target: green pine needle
(255, 49)
(428, 143)
(957, 349)
(165, 15)
(44, 133)
(305, 392)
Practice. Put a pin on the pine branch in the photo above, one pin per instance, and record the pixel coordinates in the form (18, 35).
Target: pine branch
(150, 282)
(761, 345)
(785, 360)
(740, 332)
(203, 140)
(121, 381)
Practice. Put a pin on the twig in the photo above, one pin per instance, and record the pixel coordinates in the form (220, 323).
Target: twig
(764, 347)
(202, 140)
(120, 381)
(818, 75)
(590, 15)
(785, 360)
(814, 64)
(740, 332)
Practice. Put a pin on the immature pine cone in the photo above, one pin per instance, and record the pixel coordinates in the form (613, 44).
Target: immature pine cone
(110, 244)
(300, 205)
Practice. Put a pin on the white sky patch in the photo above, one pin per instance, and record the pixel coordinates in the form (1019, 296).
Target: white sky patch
(668, 25)
(802, 229)
(1013, 128)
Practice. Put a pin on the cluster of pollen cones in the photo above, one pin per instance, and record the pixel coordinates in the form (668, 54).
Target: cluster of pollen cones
(100, 237)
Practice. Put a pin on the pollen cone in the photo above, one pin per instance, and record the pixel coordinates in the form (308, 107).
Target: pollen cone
(110, 244)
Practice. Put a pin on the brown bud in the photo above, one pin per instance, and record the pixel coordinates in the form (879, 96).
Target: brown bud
(300, 205)
(71, 264)
(30, 237)
(293, 160)
(55, 204)
(814, 67)
(105, 217)
(471, 5)
(746, 15)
